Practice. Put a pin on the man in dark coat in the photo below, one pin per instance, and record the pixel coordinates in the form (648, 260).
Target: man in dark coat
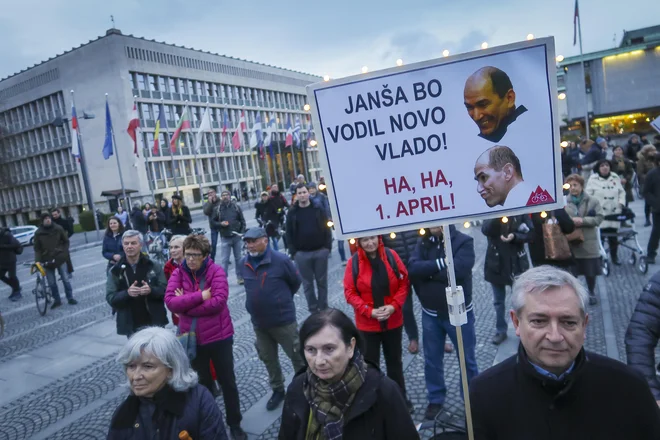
(505, 258)
(555, 388)
(209, 208)
(643, 333)
(138, 219)
(427, 270)
(51, 248)
(67, 225)
(232, 223)
(9, 248)
(135, 288)
(652, 196)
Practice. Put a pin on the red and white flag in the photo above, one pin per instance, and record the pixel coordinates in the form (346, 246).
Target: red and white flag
(133, 125)
(75, 141)
(236, 138)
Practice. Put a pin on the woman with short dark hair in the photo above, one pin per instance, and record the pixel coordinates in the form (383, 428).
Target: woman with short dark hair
(339, 396)
(112, 249)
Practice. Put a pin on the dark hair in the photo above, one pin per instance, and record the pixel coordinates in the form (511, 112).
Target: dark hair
(333, 317)
(108, 231)
(55, 210)
(501, 81)
(198, 243)
(500, 155)
(301, 185)
(618, 147)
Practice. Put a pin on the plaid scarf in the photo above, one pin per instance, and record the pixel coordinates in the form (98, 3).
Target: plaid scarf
(329, 401)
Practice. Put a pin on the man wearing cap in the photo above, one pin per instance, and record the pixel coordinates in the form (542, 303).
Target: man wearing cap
(232, 223)
(209, 208)
(271, 280)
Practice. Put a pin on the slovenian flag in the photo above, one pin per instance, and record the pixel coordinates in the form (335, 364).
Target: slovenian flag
(133, 125)
(184, 124)
(288, 141)
(75, 142)
(238, 134)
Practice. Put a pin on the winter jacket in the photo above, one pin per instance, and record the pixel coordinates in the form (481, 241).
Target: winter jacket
(568, 162)
(624, 168)
(66, 224)
(378, 411)
(123, 217)
(403, 244)
(652, 189)
(269, 289)
(51, 244)
(609, 193)
(117, 296)
(279, 201)
(578, 407)
(504, 261)
(138, 220)
(169, 268)
(591, 214)
(631, 149)
(428, 271)
(644, 165)
(232, 213)
(158, 224)
(193, 410)
(9, 248)
(362, 299)
(209, 211)
(112, 246)
(213, 319)
(537, 245)
(589, 159)
(643, 334)
(322, 200)
(292, 226)
(179, 223)
(266, 212)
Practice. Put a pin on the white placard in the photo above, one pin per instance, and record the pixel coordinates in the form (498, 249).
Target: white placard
(443, 141)
(656, 124)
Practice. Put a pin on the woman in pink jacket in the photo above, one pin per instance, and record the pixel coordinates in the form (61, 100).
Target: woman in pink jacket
(198, 290)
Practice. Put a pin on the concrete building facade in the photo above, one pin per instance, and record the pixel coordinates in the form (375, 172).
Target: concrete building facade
(38, 172)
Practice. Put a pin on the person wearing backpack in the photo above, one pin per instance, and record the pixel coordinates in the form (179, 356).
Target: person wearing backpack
(376, 285)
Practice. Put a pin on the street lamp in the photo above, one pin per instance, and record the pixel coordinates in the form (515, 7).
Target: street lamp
(445, 53)
(365, 69)
(306, 107)
(484, 45)
(530, 36)
(560, 58)
(326, 78)
(562, 96)
(399, 62)
(313, 143)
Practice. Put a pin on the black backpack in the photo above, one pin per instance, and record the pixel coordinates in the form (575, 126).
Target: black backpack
(355, 265)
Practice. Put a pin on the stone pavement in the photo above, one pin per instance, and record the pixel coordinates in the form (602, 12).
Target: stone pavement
(59, 378)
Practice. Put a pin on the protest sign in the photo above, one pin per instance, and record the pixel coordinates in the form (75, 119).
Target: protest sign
(442, 141)
(656, 124)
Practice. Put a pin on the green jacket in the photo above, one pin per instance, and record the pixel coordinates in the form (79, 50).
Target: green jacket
(592, 216)
(51, 244)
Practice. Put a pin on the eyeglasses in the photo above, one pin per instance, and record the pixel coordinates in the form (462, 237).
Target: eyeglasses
(193, 256)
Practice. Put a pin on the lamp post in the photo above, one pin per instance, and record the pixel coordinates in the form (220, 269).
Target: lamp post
(59, 122)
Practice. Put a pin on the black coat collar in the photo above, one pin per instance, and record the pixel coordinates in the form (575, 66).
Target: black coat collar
(498, 134)
(167, 400)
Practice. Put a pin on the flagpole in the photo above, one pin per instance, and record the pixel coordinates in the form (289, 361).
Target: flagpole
(308, 173)
(194, 148)
(215, 154)
(584, 73)
(233, 159)
(146, 162)
(169, 147)
(254, 163)
(85, 175)
(279, 148)
(114, 142)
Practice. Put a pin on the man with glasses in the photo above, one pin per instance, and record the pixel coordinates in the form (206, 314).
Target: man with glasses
(135, 288)
(232, 223)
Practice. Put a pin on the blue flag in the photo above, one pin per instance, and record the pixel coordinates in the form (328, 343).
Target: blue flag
(107, 145)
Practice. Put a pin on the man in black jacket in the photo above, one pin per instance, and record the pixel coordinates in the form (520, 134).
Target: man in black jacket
(310, 239)
(232, 223)
(652, 197)
(268, 217)
(554, 387)
(135, 288)
(643, 333)
(427, 270)
(138, 219)
(9, 248)
(209, 208)
(67, 225)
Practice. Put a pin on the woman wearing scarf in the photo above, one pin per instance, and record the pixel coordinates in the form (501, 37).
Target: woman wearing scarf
(605, 186)
(178, 218)
(376, 285)
(586, 214)
(198, 291)
(339, 396)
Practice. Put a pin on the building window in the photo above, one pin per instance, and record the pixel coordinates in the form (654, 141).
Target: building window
(142, 81)
(153, 85)
(161, 83)
(172, 84)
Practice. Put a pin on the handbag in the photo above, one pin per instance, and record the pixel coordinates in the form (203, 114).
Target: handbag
(189, 339)
(576, 237)
(555, 242)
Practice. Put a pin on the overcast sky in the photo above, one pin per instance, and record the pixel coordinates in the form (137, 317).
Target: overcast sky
(334, 37)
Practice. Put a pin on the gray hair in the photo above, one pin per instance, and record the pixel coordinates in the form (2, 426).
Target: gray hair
(177, 237)
(132, 233)
(543, 278)
(162, 344)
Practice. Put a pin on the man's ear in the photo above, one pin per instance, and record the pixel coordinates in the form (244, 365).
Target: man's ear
(508, 171)
(510, 98)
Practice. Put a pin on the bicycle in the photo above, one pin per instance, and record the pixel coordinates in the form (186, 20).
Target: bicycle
(42, 293)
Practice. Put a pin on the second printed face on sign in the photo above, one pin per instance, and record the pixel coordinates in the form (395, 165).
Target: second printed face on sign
(500, 178)
(491, 102)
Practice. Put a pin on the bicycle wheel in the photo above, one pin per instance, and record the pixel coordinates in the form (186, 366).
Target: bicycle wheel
(41, 296)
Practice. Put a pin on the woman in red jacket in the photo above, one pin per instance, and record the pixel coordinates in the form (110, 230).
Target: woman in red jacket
(377, 294)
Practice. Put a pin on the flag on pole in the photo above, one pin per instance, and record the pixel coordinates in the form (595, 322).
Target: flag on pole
(133, 125)
(161, 123)
(270, 135)
(107, 145)
(224, 133)
(184, 124)
(310, 133)
(204, 126)
(256, 138)
(236, 138)
(296, 132)
(288, 141)
(75, 141)
(576, 17)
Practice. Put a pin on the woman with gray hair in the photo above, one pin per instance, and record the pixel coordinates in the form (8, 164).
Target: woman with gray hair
(165, 399)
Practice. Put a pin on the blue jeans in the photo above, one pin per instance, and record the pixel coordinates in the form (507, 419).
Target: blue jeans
(434, 332)
(214, 242)
(499, 298)
(273, 242)
(342, 251)
(227, 244)
(52, 282)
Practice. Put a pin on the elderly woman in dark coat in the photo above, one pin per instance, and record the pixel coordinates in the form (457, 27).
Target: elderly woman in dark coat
(165, 399)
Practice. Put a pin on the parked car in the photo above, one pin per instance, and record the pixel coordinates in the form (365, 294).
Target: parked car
(24, 234)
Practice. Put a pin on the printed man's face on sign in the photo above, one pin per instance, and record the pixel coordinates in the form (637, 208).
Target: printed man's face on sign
(492, 185)
(484, 105)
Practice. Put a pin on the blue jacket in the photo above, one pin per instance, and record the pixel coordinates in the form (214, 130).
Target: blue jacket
(428, 272)
(269, 289)
(112, 246)
(321, 200)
